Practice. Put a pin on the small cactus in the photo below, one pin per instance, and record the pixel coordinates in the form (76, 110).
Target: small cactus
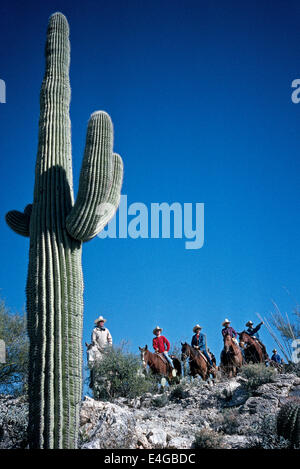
(288, 422)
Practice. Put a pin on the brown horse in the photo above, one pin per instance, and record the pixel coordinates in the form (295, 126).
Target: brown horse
(255, 352)
(231, 357)
(198, 364)
(160, 366)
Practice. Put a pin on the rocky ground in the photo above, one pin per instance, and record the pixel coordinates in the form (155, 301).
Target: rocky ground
(228, 414)
(233, 415)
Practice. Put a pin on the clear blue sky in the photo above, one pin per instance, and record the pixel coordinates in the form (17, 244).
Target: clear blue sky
(200, 96)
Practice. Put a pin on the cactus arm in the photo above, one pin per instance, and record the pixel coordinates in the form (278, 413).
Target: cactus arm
(19, 221)
(107, 210)
(100, 181)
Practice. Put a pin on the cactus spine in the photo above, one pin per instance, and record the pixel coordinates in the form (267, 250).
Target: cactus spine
(56, 228)
(288, 422)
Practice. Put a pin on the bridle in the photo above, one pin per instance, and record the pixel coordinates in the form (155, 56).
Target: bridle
(143, 359)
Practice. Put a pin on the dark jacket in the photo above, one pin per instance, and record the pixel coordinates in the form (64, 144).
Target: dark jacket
(253, 330)
(276, 358)
(199, 341)
(229, 331)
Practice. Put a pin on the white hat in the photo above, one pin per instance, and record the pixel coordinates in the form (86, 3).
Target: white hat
(249, 323)
(157, 329)
(100, 318)
(226, 322)
(196, 327)
(274, 350)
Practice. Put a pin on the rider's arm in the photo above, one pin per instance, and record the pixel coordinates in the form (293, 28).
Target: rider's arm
(167, 343)
(109, 337)
(94, 337)
(257, 328)
(204, 343)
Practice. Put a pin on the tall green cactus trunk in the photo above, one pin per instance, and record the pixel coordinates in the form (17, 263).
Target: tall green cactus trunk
(57, 227)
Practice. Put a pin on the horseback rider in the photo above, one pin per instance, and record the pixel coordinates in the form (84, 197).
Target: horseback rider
(276, 357)
(199, 342)
(101, 337)
(253, 332)
(161, 344)
(228, 330)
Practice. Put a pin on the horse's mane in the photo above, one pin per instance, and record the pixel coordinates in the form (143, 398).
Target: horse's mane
(252, 341)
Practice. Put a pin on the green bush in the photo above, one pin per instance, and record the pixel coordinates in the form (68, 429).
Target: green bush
(257, 374)
(229, 421)
(119, 374)
(178, 393)
(160, 401)
(14, 372)
(208, 439)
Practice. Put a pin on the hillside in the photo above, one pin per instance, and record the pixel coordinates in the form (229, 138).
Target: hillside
(236, 413)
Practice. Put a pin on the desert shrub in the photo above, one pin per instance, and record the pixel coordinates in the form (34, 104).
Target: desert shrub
(13, 422)
(160, 401)
(229, 421)
(119, 374)
(208, 439)
(266, 435)
(14, 372)
(178, 393)
(257, 374)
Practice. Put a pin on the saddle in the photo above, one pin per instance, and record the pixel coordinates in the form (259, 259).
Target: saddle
(163, 358)
(201, 354)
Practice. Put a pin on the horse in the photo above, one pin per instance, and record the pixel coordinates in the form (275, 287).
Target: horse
(198, 363)
(160, 366)
(254, 352)
(231, 357)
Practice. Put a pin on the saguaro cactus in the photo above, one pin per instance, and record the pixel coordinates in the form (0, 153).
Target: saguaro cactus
(56, 228)
(288, 422)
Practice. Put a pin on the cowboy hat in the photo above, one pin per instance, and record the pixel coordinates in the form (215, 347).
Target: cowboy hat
(157, 329)
(196, 327)
(274, 350)
(226, 322)
(100, 318)
(249, 323)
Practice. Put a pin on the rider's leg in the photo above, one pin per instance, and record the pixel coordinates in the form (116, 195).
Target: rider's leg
(208, 358)
(168, 358)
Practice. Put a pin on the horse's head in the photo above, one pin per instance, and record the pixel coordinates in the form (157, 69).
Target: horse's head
(143, 351)
(227, 342)
(244, 338)
(185, 351)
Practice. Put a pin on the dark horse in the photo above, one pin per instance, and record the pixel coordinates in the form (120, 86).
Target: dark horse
(160, 366)
(255, 352)
(198, 363)
(231, 357)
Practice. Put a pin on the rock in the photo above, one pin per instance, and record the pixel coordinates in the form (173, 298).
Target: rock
(157, 438)
(106, 425)
(236, 441)
(259, 405)
(179, 443)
